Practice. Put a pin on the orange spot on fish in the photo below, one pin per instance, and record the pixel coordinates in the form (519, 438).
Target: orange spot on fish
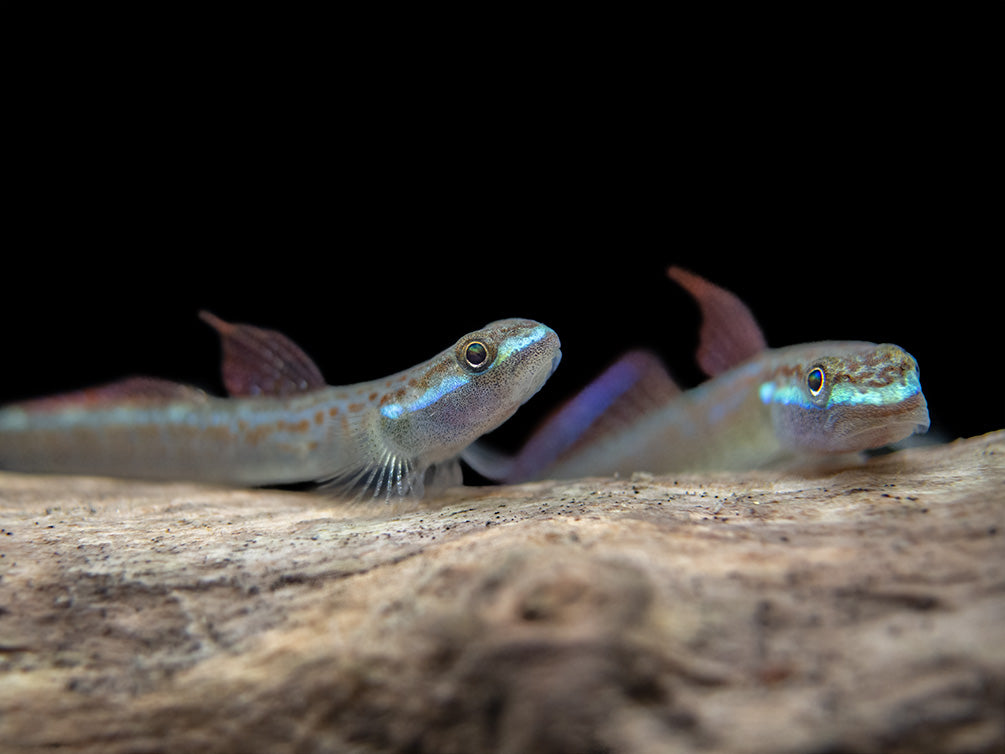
(319, 418)
(373, 396)
(389, 397)
(357, 406)
(256, 435)
(333, 411)
(300, 426)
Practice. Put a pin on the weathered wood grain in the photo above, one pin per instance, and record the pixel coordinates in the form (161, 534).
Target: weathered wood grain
(859, 611)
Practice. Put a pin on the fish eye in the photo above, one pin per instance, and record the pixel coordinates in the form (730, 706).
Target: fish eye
(815, 381)
(476, 356)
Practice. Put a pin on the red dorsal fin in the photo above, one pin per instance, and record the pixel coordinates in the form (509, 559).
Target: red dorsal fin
(263, 362)
(131, 390)
(634, 385)
(729, 332)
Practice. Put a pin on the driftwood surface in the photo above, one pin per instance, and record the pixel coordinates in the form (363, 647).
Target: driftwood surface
(856, 611)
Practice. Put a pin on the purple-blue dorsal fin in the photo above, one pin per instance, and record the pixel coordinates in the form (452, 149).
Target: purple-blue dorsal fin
(634, 385)
(729, 333)
(257, 361)
(131, 390)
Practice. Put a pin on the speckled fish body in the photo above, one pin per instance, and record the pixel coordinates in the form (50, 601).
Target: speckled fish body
(385, 437)
(727, 423)
(762, 407)
(239, 440)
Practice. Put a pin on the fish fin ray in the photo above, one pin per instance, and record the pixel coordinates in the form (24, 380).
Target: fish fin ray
(130, 390)
(729, 332)
(257, 361)
(380, 473)
(635, 384)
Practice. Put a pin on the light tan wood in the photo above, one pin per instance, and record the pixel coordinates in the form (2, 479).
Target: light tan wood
(858, 611)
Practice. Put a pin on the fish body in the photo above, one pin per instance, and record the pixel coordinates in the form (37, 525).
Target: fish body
(283, 424)
(761, 407)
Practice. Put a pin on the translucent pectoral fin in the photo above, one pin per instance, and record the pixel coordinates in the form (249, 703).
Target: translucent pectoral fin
(392, 478)
(384, 479)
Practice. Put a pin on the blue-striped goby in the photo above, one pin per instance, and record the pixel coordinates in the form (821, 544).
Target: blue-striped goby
(282, 424)
(798, 406)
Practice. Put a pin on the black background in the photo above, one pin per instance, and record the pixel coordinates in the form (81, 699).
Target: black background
(376, 220)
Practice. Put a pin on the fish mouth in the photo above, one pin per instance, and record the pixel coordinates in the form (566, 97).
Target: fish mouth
(916, 422)
(555, 362)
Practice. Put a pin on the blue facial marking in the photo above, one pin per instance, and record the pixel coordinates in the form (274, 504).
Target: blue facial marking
(843, 394)
(514, 345)
(428, 397)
